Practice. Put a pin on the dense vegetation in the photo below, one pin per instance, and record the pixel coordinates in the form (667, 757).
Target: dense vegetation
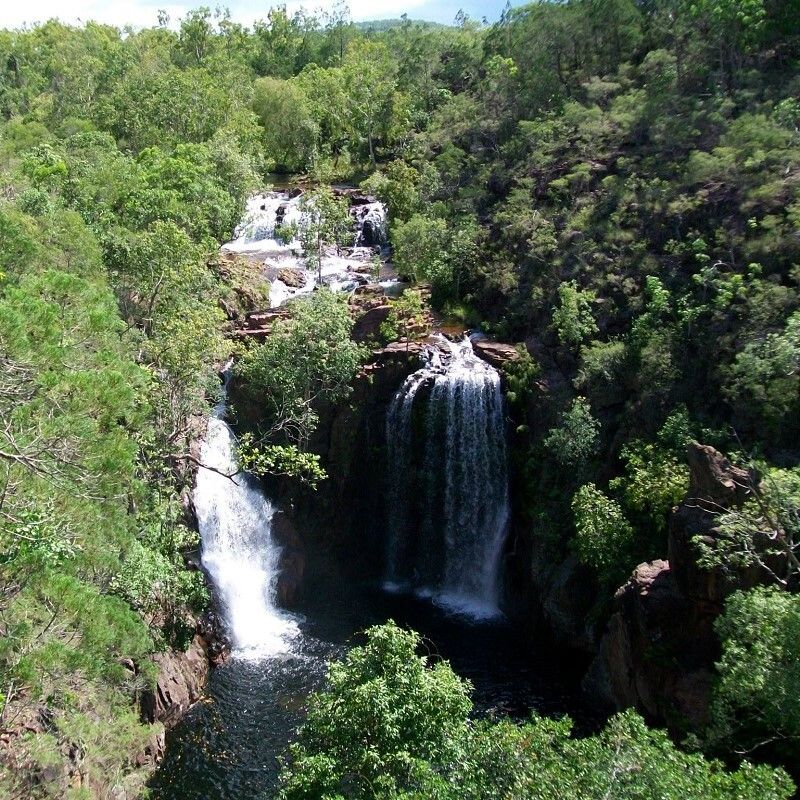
(393, 725)
(615, 184)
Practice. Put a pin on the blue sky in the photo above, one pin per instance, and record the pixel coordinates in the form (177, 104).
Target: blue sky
(143, 12)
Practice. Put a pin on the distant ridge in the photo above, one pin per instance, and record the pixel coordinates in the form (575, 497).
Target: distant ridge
(388, 24)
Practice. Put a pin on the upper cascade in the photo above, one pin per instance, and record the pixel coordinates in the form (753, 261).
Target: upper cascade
(448, 496)
(238, 551)
(258, 236)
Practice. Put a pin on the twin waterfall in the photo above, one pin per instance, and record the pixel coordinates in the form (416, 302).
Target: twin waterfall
(448, 499)
(238, 553)
(448, 496)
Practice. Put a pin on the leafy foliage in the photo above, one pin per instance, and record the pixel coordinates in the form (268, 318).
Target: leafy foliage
(393, 724)
(575, 441)
(406, 318)
(309, 358)
(572, 318)
(602, 534)
(755, 702)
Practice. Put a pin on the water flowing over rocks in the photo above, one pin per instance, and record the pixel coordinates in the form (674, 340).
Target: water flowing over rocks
(238, 549)
(263, 237)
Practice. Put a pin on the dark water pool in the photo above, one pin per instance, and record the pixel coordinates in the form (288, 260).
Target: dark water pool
(228, 747)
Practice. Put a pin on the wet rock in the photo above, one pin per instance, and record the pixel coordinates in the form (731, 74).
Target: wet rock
(569, 596)
(291, 567)
(373, 232)
(372, 290)
(153, 753)
(371, 222)
(181, 679)
(388, 367)
(293, 278)
(212, 629)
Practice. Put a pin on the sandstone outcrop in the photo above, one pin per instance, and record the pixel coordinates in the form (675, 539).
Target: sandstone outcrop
(498, 354)
(181, 679)
(659, 649)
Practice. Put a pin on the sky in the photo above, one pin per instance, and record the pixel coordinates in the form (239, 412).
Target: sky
(141, 13)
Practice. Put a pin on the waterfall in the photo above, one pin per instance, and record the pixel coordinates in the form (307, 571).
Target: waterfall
(237, 549)
(448, 494)
(264, 215)
(371, 224)
(257, 238)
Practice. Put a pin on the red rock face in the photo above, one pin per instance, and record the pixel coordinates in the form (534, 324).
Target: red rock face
(498, 354)
(181, 680)
(658, 652)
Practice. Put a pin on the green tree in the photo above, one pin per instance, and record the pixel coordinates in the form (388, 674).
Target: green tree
(572, 317)
(602, 534)
(290, 132)
(407, 319)
(755, 705)
(369, 79)
(396, 186)
(308, 358)
(386, 724)
(573, 444)
(325, 220)
(391, 724)
(420, 251)
(765, 378)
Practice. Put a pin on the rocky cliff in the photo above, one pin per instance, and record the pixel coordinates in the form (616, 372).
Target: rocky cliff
(658, 651)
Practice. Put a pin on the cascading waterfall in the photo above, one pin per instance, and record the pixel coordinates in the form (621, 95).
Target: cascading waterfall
(258, 237)
(264, 215)
(448, 497)
(237, 549)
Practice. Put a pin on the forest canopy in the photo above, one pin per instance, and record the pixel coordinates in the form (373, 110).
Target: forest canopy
(614, 185)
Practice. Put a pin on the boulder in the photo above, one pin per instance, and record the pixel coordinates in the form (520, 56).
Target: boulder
(211, 628)
(498, 354)
(368, 326)
(264, 319)
(292, 277)
(373, 231)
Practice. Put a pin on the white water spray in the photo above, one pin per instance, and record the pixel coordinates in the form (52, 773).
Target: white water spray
(448, 498)
(237, 549)
(258, 237)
